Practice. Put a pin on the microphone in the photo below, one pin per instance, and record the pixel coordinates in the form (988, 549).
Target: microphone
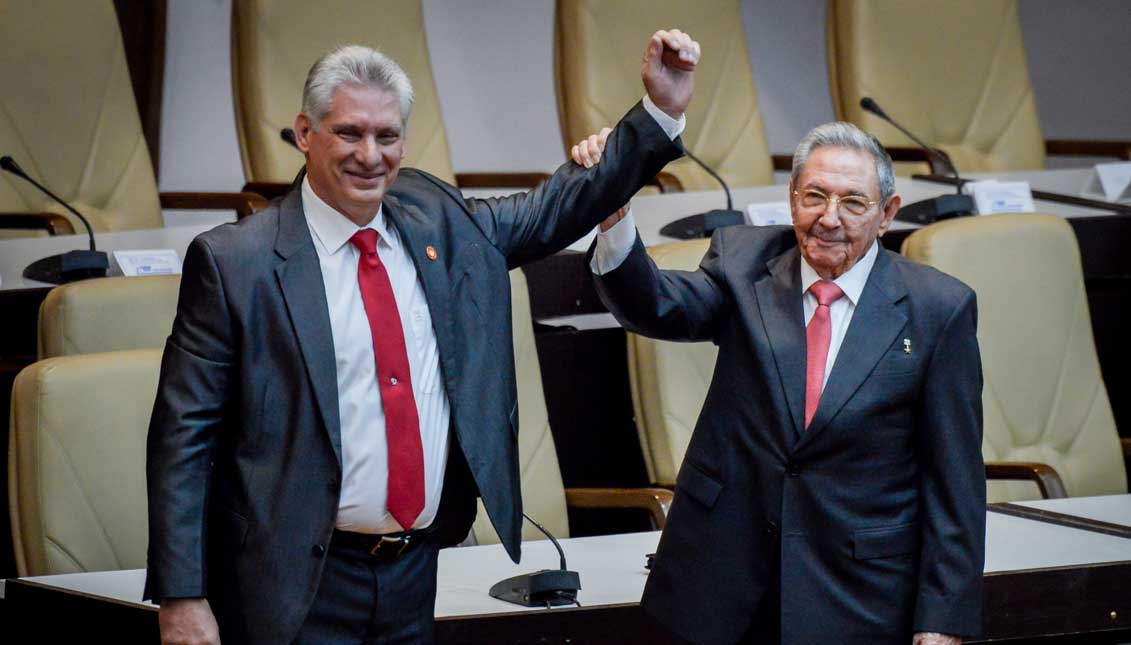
(928, 210)
(288, 135)
(704, 224)
(544, 588)
(64, 267)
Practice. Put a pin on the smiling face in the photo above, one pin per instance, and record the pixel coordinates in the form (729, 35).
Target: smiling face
(353, 157)
(833, 239)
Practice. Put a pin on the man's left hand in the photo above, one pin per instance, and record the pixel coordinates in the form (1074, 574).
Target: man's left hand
(931, 638)
(668, 70)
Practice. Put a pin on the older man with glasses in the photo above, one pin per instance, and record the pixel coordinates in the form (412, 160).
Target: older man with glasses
(833, 489)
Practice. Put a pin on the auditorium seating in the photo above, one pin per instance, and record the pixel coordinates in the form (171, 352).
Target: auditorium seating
(108, 314)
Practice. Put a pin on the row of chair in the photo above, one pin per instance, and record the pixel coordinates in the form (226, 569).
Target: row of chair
(954, 72)
(80, 415)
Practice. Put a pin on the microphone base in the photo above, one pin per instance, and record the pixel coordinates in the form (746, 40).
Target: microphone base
(938, 208)
(69, 267)
(545, 588)
(702, 224)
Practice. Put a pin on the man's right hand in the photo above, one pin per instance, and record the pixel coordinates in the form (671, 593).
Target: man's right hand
(188, 621)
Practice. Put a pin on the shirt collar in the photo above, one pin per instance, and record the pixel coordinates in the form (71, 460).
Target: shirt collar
(331, 228)
(851, 282)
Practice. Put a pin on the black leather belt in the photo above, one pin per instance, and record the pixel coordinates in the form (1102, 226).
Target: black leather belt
(384, 548)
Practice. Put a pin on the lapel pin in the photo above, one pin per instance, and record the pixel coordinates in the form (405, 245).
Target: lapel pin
(430, 251)
(906, 345)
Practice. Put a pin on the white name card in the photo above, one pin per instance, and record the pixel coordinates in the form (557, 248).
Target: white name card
(1112, 180)
(992, 196)
(768, 214)
(150, 262)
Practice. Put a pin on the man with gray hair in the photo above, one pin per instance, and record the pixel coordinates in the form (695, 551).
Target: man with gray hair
(833, 489)
(339, 385)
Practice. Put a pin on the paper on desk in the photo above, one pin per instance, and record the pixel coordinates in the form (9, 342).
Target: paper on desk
(148, 262)
(768, 214)
(992, 196)
(1112, 180)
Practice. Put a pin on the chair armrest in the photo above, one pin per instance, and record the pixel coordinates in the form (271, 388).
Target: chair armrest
(268, 189)
(782, 162)
(1089, 148)
(654, 500)
(53, 223)
(500, 179)
(913, 154)
(1043, 475)
(243, 204)
(666, 182)
(1125, 442)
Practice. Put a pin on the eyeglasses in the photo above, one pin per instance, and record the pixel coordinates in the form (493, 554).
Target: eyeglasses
(813, 199)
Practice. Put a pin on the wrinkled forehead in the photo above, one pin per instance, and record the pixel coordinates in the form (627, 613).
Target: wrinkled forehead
(840, 170)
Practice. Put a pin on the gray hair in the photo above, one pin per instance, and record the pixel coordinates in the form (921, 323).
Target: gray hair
(353, 65)
(845, 135)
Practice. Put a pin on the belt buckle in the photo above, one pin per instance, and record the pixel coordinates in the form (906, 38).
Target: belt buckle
(402, 541)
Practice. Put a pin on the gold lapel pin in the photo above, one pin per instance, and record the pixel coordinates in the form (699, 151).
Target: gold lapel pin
(906, 345)
(430, 251)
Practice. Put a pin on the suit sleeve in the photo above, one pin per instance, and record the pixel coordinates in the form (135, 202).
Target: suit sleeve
(532, 225)
(953, 483)
(672, 305)
(191, 395)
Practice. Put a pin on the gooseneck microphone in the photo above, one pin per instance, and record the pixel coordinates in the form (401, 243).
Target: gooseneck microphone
(544, 588)
(64, 267)
(928, 210)
(704, 224)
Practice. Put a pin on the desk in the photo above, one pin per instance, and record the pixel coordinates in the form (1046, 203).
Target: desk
(1041, 581)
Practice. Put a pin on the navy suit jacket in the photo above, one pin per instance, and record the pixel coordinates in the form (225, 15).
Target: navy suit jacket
(869, 524)
(244, 452)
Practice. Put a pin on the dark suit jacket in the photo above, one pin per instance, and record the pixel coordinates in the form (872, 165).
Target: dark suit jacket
(244, 454)
(870, 523)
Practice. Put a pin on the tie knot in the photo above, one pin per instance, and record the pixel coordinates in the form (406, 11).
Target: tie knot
(365, 240)
(826, 292)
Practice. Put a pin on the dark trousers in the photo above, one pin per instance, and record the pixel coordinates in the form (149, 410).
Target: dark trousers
(361, 600)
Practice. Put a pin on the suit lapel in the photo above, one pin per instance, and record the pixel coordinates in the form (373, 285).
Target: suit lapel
(875, 324)
(779, 304)
(420, 233)
(300, 279)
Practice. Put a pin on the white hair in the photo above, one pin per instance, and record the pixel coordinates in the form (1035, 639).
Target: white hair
(353, 65)
(845, 135)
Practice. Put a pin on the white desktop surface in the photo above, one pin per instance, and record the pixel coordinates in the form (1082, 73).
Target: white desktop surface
(612, 567)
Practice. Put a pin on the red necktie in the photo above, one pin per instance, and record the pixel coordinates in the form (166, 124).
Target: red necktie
(402, 425)
(818, 335)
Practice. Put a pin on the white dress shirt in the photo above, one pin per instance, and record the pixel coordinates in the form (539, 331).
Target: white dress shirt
(365, 462)
(614, 245)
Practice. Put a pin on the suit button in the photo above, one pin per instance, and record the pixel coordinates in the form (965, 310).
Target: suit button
(332, 484)
(792, 470)
(771, 528)
(318, 550)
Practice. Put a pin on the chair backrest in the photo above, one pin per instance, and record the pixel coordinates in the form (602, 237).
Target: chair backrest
(274, 44)
(1044, 398)
(543, 496)
(951, 71)
(76, 462)
(669, 380)
(68, 116)
(597, 50)
(108, 314)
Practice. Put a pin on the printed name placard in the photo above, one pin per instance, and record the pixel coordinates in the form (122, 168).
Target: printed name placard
(1112, 180)
(768, 214)
(148, 262)
(992, 196)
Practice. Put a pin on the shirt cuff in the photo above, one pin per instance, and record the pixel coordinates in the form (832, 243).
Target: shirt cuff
(613, 245)
(672, 127)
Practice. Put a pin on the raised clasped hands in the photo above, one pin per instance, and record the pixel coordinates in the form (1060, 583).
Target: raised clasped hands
(668, 70)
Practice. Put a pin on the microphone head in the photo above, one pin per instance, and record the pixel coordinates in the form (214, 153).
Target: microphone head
(868, 104)
(9, 164)
(288, 135)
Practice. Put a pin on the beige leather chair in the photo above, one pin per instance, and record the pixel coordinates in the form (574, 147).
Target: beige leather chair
(669, 380)
(76, 462)
(544, 498)
(1044, 399)
(598, 46)
(951, 71)
(274, 43)
(108, 314)
(68, 117)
